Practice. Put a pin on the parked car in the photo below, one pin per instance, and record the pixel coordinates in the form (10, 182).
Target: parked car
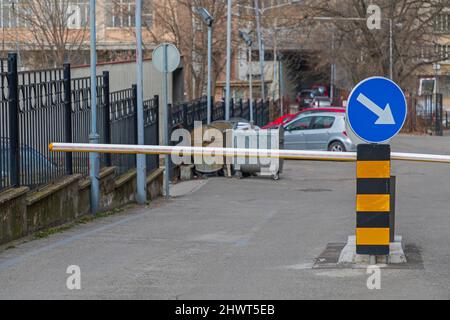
(288, 117)
(320, 90)
(279, 121)
(305, 98)
(235, 123)
(32, 163)
(319, 110)
(321, 102)
(320, 131)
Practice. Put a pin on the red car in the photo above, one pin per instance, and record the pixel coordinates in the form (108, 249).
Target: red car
(288, 117)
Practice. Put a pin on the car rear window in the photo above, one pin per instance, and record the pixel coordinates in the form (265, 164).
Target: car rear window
(323, 122)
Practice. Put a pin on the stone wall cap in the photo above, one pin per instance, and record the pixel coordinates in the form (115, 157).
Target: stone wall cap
(48, 190)
(13, 193)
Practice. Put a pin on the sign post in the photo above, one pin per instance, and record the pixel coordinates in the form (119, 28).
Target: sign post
(166, 59)
(376, 112)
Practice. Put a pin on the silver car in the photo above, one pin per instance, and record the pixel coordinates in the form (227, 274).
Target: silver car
(319, 131)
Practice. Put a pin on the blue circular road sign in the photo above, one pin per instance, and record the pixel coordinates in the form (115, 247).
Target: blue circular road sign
(376, 110)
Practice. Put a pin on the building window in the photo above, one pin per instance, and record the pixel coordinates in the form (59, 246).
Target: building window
(442, 51)
(442, 23)
(121, 14)
(8, 17)
(13, 13)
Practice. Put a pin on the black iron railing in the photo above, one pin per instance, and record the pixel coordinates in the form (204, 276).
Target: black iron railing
(185, 114)
(4, 126)
(426, 114)
(43, 106)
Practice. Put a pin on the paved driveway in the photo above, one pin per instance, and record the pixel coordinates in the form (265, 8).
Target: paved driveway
(245, 239)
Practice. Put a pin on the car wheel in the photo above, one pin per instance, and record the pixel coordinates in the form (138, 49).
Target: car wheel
(337, 146)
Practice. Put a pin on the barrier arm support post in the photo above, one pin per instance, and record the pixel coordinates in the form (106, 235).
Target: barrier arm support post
(373, 200)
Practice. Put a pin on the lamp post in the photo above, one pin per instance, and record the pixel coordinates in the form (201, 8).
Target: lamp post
(261, 50)
(228, 80)
(140, 159)
(209, 21)
(249, 42)
(94, 138)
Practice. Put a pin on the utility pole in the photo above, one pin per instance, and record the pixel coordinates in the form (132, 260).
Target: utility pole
(261, 50)
(140, 158)
(94, 158)
(208, 19)
(250, 84)
(391, 49)
(333, 66)
(209, 74)
(228, 80)
(249, 42)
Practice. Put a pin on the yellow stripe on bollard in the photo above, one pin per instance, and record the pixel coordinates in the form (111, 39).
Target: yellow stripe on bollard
(373, 169)
(372, 236)
(373, 203)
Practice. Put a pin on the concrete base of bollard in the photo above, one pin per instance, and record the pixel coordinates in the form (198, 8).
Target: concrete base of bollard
(349, 256)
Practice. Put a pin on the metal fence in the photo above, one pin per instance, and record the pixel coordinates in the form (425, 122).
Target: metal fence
(44, 106)
(4, 126)
(39, 107)
(185, 114)
(426, 114)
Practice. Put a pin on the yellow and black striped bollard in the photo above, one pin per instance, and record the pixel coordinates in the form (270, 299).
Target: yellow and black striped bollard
(373, 199)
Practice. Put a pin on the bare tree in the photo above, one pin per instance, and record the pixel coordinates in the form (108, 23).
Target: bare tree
(176, 21)
(362, 52)
(56, 30)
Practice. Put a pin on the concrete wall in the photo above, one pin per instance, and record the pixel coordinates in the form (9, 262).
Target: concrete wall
(23, 212)
(122, 75)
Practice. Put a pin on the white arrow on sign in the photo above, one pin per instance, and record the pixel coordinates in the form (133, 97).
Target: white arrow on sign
(384, 116)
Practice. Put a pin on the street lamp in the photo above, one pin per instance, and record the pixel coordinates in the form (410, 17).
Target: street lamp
(261, 50)
(228, 77)
(209, 21)
(94, 138)
(249, 42)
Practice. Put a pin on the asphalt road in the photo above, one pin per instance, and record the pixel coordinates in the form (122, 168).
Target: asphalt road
(245, 239)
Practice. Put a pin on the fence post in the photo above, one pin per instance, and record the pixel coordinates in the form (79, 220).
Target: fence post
(134, 88)
(258, 105)
(185, 115)
(241, 105)
(13, 101)
(68, 115)
(446, 119)
(212, 109)
(107, 115)
(156, 104)
(224, 107)
(232, 108)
